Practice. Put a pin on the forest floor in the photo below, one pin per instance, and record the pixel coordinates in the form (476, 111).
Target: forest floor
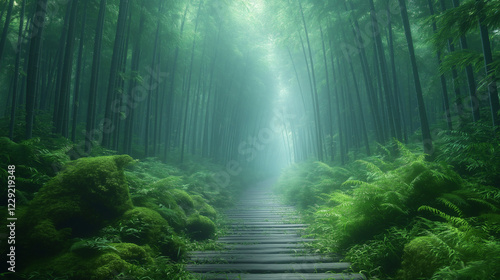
(264, 241)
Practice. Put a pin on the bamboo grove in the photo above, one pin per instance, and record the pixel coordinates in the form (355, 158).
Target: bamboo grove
(225, 79)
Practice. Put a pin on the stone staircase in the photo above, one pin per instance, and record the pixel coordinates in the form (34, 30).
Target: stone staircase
(264, 243)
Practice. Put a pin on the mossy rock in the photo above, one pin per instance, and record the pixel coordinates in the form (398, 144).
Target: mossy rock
(105, 266)
(183, 199)
(175, 217)
(132, 253)
(422, 257)
(91, 247)
(142, 226)
(200, 227)
(87, 195)
(46, 238)
(203, 207)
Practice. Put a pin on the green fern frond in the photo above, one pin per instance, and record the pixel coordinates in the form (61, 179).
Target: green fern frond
(450, 205)
(350, 183)
(489, 205)
(456, 221)
(383, 148)
(407, 155)
(371, 167)
(394, 206)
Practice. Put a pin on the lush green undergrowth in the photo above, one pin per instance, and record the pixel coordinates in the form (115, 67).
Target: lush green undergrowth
(404, 217)
(108, 217)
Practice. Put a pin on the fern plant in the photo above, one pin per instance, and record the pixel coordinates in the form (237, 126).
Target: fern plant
(473, 152)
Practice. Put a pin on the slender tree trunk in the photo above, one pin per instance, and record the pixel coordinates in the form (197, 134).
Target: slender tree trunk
(113, 73)
(358, 97)
(444, 88)
(426, 133)
(134, 67)
(391, 106)
(188, 94)
(490, 70)
(5, 30)
(170, 98)
(367, 78)
(120, 89)
(338, 112)
(33, 64)
(64, 95)
(94, 78)
(157, 68)
(16, 73)
(76, 98)
(315, 91)
(328, 92)
(454, 74)
(206, 129)
(56, 83)
(298, 79)
(398, 114)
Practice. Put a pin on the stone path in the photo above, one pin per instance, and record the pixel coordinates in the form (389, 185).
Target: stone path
(264, 243)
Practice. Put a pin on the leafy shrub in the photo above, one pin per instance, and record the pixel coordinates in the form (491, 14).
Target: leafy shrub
(303, 183)
(183, 199)
(173, 247)
(473, 151)
(175, 217)
(375, 216)
(142, 226)
(200, 227)
(91, 247)
(423, 256)
(380, 255)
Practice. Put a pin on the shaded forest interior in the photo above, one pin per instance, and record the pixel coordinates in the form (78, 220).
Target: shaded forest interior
(381, 116)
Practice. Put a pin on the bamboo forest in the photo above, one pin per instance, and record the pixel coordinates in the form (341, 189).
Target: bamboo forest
(250, 139)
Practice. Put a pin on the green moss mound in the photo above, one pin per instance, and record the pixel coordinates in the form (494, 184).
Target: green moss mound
(104, 266)
(422, 257)
(169, 182)
(47, 238)
(142, 226)
(203, 207)
(132, 253)
(183, 199)
(200, 227)
(87, 195)
(175, 217)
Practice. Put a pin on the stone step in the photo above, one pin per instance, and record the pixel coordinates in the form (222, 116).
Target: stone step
(253, 252)
(283, 276)
(258, 236)
(266, 240)
(270, 268)
(266, 225)
(260, 258)
(239, 247)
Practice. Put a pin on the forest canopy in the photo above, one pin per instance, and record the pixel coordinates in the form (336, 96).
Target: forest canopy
(209, 78)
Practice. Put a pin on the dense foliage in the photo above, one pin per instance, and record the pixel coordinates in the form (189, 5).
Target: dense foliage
(403, 217)
(109, 217)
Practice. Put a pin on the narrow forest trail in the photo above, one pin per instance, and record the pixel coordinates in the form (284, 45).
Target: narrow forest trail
(264, 243)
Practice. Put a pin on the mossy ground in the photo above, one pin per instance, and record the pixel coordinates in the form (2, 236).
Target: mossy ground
(110, 217)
